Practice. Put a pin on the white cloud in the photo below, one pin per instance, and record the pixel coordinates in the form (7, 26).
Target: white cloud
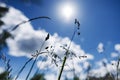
(100, 47)
(50, 77)
(114, 55)
(117, 47)
(100, 70)
(12, 18)
(86, 65)
(46, 64)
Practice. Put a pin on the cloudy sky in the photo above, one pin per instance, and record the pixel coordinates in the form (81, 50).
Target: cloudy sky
(98, 39)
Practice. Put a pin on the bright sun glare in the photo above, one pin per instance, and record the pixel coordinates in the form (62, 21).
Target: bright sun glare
(67, 11)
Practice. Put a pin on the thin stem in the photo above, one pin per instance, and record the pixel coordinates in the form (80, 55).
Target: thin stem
(34, 61)
(41, 17)
(37, 70)
(23, 68)
(118, 68)
(25, 65)
(72, 39)
(65, 57)
(31, 68)
(63, 64)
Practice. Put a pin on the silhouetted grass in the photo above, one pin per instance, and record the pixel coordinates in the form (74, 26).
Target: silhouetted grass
(41, 17)
(54, 56)
(6, 75)
(67, 50)
(37, 56)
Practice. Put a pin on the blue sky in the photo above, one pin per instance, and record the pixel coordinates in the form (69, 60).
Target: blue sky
(100, 23)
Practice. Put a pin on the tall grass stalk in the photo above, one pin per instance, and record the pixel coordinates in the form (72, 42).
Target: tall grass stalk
(25, 65)
(66, 55)
(34, 61)
(47, 37)
(14, 28)
(23, 68)
(118, 63)
(40, 17)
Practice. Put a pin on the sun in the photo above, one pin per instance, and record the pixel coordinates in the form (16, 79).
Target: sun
(67, 11)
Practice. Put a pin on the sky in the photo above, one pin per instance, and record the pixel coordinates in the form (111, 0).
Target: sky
(98, 39)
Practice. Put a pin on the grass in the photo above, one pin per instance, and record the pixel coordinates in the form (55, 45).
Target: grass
(67, 50)
(53, 56)
(6, 75)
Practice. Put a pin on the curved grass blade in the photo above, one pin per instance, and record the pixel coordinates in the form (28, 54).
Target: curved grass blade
(23, 68)
(41, 17)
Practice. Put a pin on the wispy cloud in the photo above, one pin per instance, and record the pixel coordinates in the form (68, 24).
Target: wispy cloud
(101, 70)
(114, 54)
(100, 47)
(117, 47)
